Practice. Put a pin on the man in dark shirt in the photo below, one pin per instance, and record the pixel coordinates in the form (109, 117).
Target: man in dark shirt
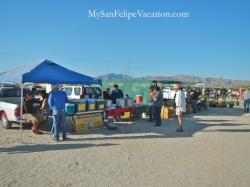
(116, 93)
(106, 94)
(157, 103)
(194, 97)
(30, 115)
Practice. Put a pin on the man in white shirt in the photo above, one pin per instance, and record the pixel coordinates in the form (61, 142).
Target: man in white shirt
(180, 103)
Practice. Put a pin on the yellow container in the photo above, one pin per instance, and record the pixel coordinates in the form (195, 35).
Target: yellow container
(164, 112)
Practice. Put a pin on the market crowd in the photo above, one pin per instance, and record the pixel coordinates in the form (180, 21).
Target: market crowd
(51, 107)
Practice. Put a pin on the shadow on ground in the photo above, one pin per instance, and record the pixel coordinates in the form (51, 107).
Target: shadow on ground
(144, 130)
(48, 147)
(192, 124)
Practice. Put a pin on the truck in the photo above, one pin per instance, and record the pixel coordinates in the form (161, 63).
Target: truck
(10, 97)
(82, 91)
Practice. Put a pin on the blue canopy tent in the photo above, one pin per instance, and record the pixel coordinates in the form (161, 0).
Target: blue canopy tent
(52, 73)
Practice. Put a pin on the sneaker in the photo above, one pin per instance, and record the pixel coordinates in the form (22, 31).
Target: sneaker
(156, 125)
(179, 130)
(55, 140)
(37, 131)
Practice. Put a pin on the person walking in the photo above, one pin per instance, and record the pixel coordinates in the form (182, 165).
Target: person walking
(180, 102)
(157, 104)
(57, 100)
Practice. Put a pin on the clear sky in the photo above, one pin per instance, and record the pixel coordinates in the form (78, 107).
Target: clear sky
(214, 41)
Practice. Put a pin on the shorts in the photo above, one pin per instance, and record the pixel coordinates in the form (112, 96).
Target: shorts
(33, 118)
(180, 110)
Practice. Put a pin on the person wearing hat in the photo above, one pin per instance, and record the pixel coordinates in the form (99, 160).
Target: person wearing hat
(180, 103)
(57, 100)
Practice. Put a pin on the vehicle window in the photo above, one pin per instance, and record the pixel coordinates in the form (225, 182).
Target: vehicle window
(93, 92)
(77, 91)
(12, 92)
(68, 91)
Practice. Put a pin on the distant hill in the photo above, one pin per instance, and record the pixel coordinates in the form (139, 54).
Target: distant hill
(211, 82)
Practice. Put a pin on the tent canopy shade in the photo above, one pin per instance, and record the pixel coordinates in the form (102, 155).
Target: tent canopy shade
(45, 72)
(52, 73)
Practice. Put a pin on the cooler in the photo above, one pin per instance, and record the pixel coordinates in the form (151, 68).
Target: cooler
(69, 109)
(100, 104)
(91, 105)
(80, 105)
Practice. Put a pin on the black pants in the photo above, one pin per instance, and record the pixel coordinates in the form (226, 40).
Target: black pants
(151, 113)
(157, 115)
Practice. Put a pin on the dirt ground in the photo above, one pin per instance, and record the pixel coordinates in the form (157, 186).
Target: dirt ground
(213, 151)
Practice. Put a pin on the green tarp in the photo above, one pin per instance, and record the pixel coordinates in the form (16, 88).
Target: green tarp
(131, 87)
(134, 87)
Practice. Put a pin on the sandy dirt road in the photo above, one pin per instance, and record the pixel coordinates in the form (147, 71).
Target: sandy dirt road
(213, 151)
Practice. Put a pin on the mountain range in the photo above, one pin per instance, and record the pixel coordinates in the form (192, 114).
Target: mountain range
(210, 82)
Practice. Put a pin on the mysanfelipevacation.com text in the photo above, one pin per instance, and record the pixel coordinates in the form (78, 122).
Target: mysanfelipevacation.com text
(129, 15)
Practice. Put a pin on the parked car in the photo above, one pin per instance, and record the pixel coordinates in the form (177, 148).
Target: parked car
(10, 105)
(168, 93)
(82, 91)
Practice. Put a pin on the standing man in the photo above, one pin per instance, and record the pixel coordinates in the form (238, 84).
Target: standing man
(157, 104)
(57, 100)
(246, 99)
(194, 97)
(180, 102)
(150, 105)
(116, 93)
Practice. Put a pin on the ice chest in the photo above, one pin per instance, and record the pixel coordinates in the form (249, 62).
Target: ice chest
(80, 105)
(100, 104)
(69, 109)
(91, 105)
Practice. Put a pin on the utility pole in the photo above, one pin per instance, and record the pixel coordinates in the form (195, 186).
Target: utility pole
(107, 63)
(129, 70)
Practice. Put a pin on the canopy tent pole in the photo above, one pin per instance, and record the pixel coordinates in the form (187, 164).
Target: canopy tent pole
(21, 116)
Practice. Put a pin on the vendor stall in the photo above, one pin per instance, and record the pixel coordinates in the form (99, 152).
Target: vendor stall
(51, 73)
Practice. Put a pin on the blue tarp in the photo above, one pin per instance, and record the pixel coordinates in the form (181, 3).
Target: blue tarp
(47, 72)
